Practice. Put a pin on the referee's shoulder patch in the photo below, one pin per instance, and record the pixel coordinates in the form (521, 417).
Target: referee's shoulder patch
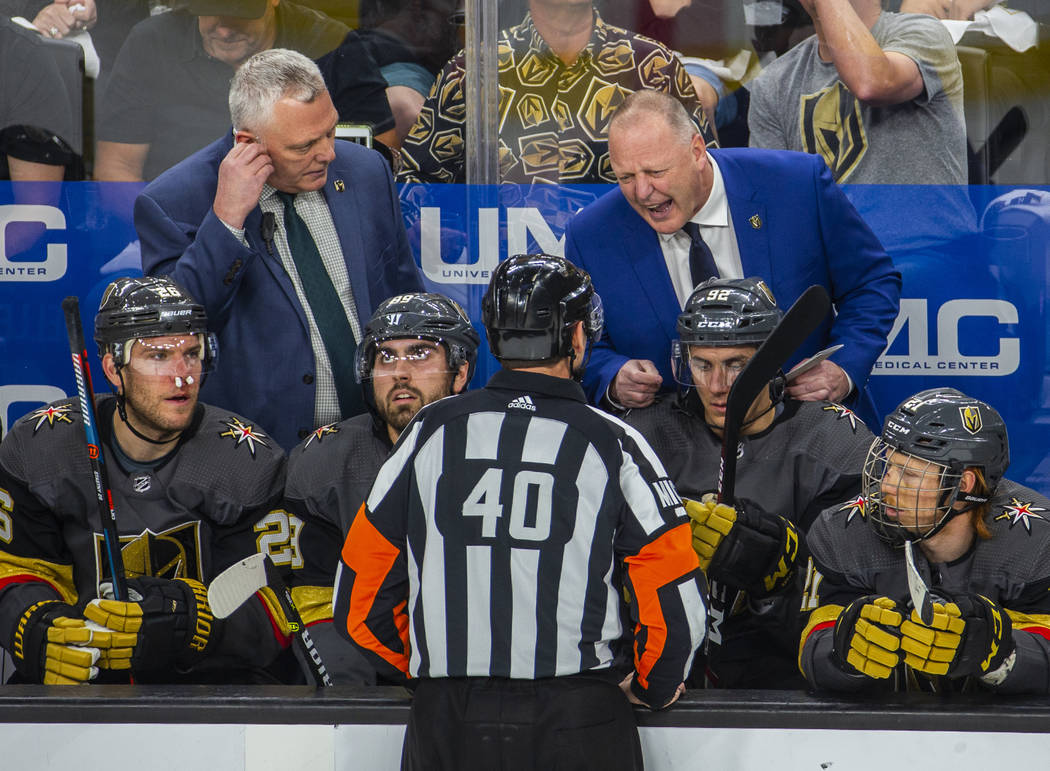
(666, 493)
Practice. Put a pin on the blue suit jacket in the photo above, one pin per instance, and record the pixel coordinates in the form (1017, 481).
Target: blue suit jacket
(266, 366)
(806, 232)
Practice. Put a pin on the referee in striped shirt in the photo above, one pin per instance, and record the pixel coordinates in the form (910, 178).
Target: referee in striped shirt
(489, 564)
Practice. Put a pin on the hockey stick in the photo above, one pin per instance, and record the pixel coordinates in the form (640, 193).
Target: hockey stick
(236, 584)
(106, 511)
(917, 588)
(798, 323)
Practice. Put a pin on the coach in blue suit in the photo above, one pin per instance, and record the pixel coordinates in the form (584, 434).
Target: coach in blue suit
(776, 215)
(214, 223)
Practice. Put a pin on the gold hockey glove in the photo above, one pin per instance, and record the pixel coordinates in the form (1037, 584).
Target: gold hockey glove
(52, 645)
(170, 619)
(970, 635)
(867, 637)
(743, 547)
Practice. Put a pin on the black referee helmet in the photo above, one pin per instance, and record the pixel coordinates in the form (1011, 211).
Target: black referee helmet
(532, 304)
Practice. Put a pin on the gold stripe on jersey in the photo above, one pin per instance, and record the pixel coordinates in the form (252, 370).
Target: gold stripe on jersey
(314, 603)
(59, 577)
(821, 616)
(1036, 623)
(283, 625)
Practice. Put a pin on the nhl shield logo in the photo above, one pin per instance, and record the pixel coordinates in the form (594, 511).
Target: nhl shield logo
(971, 418)
(141, 483)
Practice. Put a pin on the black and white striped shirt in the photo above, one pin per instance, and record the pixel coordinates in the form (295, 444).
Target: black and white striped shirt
(510, 519)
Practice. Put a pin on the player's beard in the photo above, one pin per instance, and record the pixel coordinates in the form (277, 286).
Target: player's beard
(148, 416)
(397, 417)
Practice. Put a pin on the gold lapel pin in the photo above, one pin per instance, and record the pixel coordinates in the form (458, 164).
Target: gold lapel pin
(756, 221)
(339, 186)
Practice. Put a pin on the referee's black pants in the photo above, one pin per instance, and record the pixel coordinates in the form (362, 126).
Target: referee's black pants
(498, 724)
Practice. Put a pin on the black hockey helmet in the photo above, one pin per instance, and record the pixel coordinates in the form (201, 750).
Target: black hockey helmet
(423, 315)
(729, 311)
(947, 432)
(149, 306)
(724, 312)
(532, 304)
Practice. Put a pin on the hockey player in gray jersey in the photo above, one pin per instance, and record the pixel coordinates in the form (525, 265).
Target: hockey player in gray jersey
(795, 459)
(188, 481)
(417, 348)
(974, 613)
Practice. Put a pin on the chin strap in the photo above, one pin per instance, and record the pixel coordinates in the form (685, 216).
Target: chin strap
(972, 502)
(578, 375)
(122, 411)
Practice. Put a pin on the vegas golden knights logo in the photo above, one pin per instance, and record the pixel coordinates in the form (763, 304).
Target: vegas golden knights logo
(832, 128)
(172, 553)
(971, 418)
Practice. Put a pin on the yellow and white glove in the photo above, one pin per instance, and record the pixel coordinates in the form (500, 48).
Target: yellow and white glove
(55, 646)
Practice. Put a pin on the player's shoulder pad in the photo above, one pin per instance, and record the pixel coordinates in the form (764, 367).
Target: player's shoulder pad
(831, 431)
(831, 417)
(840, 535)
(232, 458)
(329, 453)
(1019, 520)
(46, 439)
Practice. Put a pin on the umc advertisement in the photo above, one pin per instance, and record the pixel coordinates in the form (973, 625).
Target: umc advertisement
(973, 312)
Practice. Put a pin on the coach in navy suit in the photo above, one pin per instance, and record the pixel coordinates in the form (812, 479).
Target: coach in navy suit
(219, 223)
(775, 215)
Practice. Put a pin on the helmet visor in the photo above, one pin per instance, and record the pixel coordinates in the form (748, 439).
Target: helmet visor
(170, 356)
(402, 356)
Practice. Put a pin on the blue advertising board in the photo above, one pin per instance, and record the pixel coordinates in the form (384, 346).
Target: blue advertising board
(973, 311)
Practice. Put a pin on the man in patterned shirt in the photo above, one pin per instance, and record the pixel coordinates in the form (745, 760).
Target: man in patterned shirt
(563, 73)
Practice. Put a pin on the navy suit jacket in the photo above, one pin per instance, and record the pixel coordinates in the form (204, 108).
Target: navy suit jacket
(794, 228)
(266, 366)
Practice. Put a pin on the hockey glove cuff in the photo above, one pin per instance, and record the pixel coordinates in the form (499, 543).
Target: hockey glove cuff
(757, 554)
(868, 637)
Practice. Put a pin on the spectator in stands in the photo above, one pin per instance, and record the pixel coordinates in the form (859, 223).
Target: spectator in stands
(290, 237)
(878, 95)
(410, 40)
(571, 71)
(55, 19)
(167, 94)
(35, 117)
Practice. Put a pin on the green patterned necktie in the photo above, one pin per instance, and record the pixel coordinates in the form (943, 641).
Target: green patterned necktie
(328, 311)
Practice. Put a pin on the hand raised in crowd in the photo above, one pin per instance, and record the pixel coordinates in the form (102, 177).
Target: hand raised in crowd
(66, 17)
(825, 382)
(242, 174)
(636, 384)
